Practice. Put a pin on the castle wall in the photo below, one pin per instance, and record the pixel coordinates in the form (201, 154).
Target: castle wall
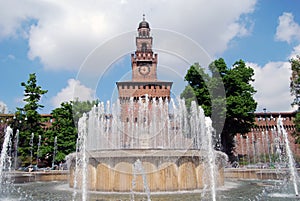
(264, 135)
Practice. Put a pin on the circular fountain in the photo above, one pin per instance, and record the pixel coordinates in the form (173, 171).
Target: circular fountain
(174, 153)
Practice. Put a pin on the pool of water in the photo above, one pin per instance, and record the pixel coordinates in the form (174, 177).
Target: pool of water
(233, 190)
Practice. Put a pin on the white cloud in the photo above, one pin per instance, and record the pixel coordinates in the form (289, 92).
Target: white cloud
(272, 84)
(74, 90)
(64, 32)
(287, 29)
(295, 52)
(3, 108)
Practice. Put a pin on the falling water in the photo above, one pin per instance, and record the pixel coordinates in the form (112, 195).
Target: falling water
(156, 128)
(263, 147)
(211, 157)
(77, 165)
(7, 190)
(277, 142)
(292, 168)
(81, 159)
(16, 149)
(139, 169)
(268, 145)
(254, 148)
(54, 151)
(38, 151)
(242, 147)
(4, 152)
(31, 147)
(248, 149)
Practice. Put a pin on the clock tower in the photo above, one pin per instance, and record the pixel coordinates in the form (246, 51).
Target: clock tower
(144, 84)
(144, 61)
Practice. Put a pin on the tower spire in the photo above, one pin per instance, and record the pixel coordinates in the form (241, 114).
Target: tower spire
(144, 17)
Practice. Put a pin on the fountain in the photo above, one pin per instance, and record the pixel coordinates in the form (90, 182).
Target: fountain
(4, 155)
(31, 148)
(147, 146)
(139, 169)
(38, 151)
(54, 151)
(159, 158)
(291, 162)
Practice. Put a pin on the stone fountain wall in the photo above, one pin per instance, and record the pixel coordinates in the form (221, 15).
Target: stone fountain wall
(165, 170)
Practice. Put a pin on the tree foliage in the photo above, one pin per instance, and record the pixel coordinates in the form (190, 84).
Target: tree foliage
(80, 107)
(29, 122)
(63, 128)
(28, 119)
(226, 95)
(295, 91)
(197, 80)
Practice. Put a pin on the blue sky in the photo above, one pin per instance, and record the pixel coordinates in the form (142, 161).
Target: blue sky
(60, 41)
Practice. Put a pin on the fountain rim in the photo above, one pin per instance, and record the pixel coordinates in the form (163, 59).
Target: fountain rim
(149, 152)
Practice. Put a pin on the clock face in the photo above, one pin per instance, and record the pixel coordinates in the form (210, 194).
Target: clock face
(144, 69)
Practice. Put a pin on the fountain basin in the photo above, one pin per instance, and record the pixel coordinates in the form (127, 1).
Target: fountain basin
(165, 170)
(257, 174)
(24, 177)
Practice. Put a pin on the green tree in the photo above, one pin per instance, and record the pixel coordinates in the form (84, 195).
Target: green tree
(30, 118)
(197, 80)
(80, 107)
(189, 95)
(226, 95)
(64, 129)
(240, 104)
(295, 91)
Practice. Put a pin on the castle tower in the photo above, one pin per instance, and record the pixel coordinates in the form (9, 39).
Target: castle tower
(144, 62)
(144, 85)
(144, 81)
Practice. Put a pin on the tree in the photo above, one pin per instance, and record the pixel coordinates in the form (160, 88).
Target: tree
(295, 91)
(80, 107)
(226, 95)
(32, 127)
(189, 95)
(64, 129)
(197, 80)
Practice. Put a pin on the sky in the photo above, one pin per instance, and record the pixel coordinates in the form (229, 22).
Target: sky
(80, 49)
